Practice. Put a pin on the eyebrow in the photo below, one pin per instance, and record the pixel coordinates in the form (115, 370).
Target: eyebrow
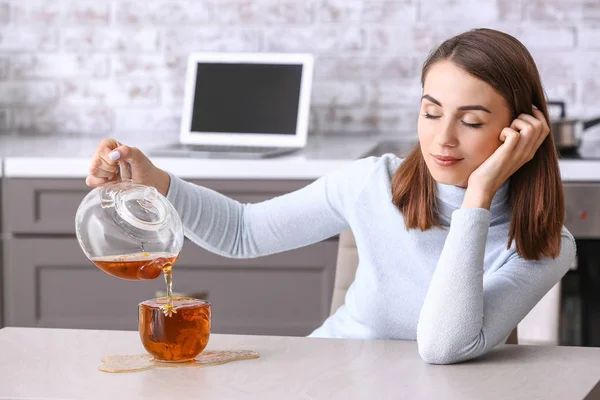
(475, 107)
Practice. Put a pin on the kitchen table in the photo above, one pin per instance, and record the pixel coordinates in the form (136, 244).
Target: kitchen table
(38, 363)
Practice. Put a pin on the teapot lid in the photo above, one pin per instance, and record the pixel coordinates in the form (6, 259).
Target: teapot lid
(142, 207)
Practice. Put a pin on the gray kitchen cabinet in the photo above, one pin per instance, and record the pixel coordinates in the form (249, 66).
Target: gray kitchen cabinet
(48, 206)
(1, 261)
(48, 281)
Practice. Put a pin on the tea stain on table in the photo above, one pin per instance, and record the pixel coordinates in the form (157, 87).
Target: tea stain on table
(142, 362)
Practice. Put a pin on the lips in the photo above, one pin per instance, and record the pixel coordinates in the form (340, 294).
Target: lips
(446, 158)
(446, 161)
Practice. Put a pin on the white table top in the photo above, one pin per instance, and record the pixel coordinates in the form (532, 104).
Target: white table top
(58, 363)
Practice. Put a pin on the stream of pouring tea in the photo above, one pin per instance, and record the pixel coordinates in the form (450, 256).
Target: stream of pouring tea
(142, 266)
(168, 273)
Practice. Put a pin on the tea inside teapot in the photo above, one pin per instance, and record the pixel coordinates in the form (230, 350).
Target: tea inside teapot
(136, 266)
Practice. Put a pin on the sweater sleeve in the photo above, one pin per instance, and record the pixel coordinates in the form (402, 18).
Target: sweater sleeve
(229, 228)
(465, 314)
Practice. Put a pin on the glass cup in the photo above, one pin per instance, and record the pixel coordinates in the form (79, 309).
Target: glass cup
(179, 337)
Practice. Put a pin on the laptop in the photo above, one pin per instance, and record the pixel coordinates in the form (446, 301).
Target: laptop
(244, 105)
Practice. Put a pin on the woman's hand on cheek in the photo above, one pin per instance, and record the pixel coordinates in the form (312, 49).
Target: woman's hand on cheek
(520, 142)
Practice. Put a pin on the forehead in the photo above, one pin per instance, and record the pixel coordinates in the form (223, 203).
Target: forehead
(452, 85)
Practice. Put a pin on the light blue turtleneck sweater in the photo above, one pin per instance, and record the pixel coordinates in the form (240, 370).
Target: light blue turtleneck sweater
(457, 290)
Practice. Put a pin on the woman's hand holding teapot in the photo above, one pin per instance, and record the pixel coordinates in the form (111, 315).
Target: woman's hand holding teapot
(105, 166)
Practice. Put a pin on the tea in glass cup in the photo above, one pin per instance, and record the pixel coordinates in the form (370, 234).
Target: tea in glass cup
(179, 335)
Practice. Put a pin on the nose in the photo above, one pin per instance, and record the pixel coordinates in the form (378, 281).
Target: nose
(446, 135)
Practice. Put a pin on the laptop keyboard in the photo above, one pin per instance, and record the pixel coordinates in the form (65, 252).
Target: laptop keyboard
(228, 149)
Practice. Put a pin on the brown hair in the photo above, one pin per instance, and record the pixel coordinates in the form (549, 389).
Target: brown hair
(535, 192)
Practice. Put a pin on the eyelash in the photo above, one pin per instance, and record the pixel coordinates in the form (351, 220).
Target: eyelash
(474, 126)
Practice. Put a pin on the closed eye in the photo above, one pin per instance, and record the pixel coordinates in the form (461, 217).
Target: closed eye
(478, 125)
(475, 126)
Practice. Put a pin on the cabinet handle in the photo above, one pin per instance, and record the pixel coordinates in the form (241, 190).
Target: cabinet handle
(195, 295)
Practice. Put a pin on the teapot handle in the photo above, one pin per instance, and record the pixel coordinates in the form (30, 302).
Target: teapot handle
(125, 172)
(591, 122)
(107, 194)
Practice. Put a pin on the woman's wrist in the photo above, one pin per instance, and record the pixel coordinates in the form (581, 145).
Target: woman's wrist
(162, 181)
(476, 197)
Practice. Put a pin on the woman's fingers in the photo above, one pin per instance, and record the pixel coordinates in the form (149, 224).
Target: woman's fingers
(93, 181)
(538, 115)
(512, 157)
(102, 169)
(106, 147)
(510, 137)
(527, 133)
(546, 128)
(533, 132)
(539, 125)
(130, 154)
(99, 172)
(534, 122)
(109, 154)
(109, 144)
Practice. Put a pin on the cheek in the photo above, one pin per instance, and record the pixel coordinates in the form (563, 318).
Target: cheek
(481, 149)
(425, 131)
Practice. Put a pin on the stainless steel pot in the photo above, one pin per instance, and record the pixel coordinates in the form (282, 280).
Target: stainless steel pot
(567, 132)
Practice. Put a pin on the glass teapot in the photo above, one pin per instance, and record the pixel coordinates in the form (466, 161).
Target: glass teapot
(128, 230)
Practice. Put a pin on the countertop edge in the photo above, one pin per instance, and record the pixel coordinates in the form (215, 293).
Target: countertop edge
(185, 168)
(296, 168)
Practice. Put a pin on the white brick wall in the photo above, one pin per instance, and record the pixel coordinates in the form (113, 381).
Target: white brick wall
(57, 65)
(110, 40)
(115, 92)
(160, 13)
(116, 67)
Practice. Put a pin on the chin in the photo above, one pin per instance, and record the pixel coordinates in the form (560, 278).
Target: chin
(447, 181)
(448, 177)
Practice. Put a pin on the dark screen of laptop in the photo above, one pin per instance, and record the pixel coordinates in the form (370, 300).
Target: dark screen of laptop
(246, 98)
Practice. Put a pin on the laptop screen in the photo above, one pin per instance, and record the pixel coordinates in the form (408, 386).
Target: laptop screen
(246, 98)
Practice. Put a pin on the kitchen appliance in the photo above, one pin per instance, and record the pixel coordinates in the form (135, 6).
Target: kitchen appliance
(567, 132)
(579, 300)
(580, 297)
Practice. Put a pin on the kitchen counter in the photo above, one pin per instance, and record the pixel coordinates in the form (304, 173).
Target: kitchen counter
(35, 158)
(55, 363)
(70, 158)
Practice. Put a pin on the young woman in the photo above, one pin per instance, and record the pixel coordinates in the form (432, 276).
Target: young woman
(457, 242)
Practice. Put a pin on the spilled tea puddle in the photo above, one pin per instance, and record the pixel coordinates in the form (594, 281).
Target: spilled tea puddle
(142, 362)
